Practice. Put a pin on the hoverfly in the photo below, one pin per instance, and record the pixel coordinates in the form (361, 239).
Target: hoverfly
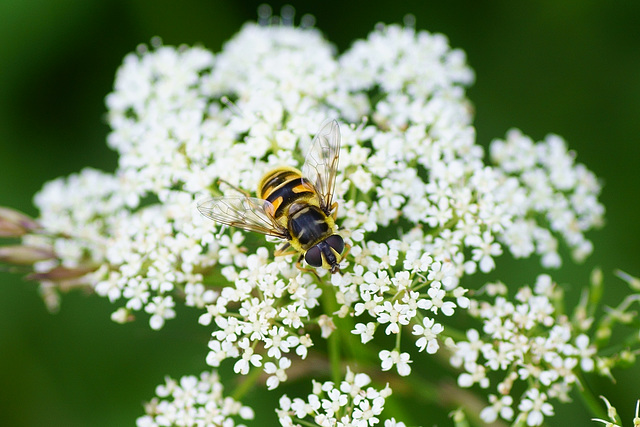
(293, 205)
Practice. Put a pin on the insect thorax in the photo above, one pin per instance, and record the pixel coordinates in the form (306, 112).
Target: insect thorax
(296, 206)
(308, 226)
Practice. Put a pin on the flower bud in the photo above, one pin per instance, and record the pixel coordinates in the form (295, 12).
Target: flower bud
(627, 358)
(633, 282)
(612, 413)
(122, 315)
(14, 223)
(603, 332)
(24, 255)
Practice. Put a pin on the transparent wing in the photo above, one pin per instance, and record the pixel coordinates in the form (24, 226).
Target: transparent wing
(321, 163)
(248, 213)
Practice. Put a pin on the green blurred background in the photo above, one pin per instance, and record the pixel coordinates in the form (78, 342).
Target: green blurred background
(567, 67)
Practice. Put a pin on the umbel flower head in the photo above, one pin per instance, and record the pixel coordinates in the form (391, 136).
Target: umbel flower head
(418, 204)
(526, 342)
(193, 401)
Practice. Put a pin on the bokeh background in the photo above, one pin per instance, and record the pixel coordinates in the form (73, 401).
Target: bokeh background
(565, 67)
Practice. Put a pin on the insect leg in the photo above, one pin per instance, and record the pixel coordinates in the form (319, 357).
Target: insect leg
(347, 249)
(305, 269)
(334, 208)
(284, 250)
(239, 190)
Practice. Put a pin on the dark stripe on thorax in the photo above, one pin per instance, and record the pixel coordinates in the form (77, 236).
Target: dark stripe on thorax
(309, 226)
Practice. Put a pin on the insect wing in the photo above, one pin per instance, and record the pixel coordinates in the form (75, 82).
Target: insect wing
(248, 213)
(321, 163)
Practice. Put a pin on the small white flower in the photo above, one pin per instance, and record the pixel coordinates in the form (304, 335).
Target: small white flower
(279, 341)
(326, 325)
(248, 358)
(485, 249)
(536, 407)
(468, 351)
(401, 360)
(277, 372)
(586, 353)
(499, 407)
(436, 302)
(428, 333)
(219, 351)
(474, 374)
(365, 331)
(160, 309)
(391, 314)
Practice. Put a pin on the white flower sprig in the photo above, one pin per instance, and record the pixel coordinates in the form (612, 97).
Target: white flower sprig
(193, 401)
(351, 403)
(413, 164)
(418, 205)
(526, 342)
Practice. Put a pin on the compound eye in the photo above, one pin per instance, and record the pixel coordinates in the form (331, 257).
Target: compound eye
(313, 257)
(336, 243)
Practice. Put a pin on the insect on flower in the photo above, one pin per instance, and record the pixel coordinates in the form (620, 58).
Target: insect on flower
(293, 205)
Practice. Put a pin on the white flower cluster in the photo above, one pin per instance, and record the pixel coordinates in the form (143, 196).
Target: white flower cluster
(417, 204)
(193, 401)
(352, 403)
(383, 180)
(556, 190)
(275, 318)
(527, 342)
(414, 295)
(82, 206)
(143, 254)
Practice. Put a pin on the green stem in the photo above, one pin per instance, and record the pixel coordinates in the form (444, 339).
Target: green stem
(589, 399)
(304, 423)
(249, 382)
(333, 342)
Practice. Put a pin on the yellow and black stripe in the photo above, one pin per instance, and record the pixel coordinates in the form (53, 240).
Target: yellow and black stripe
(296, 207)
